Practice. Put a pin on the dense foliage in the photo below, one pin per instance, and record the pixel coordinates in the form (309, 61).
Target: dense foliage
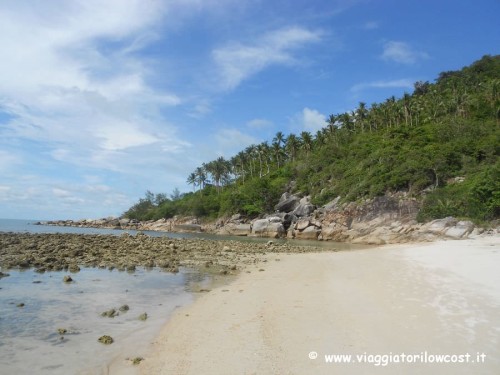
(441, 143)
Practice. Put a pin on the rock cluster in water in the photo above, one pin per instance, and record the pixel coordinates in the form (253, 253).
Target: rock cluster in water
(68, 252)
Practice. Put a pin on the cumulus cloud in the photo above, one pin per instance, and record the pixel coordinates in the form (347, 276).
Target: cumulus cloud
(238, 61)
(311, 120)
(402, 52)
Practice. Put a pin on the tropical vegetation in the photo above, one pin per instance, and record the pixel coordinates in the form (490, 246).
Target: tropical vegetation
(440, 144)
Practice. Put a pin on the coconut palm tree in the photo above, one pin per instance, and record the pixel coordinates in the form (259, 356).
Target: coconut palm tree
(220, 171)
(360, 115)
(201, 176)
(332, 123)
(292, 146)
(277, 152)
(191, 180)
(279, 138)
(307, 142)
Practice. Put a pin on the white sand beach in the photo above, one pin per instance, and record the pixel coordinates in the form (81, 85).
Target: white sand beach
(440, 298)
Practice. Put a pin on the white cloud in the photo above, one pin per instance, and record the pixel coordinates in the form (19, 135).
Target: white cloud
(311, 120)
(8, 160)
(66, 86)
(231, 141)
(402, 52)
(398, 83)
(259, 123)
(79, 99)
(237, 61)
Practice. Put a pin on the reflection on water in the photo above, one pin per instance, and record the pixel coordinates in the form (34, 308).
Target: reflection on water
(29, 338)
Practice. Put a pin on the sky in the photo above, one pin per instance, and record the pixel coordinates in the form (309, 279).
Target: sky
(101, 101)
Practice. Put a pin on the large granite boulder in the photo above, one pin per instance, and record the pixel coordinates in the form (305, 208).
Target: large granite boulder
(309, 233)
(268, 228)
(304, 208)
(287, 203)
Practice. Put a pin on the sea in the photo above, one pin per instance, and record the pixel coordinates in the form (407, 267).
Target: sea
(34, 306)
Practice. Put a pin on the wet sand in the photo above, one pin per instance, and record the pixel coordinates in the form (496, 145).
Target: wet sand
(440, 298)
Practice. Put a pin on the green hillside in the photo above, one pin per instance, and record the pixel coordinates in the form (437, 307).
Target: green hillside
(440, 144)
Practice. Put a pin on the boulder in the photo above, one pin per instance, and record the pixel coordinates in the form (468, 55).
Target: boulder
(461, 230)
(266, 228)
(124, 221)
(440, 225)
(287, 203)
(304, 208)
(309, 233)
(316, 223)
(275, 219)
(236, 218)
(334, 232)
(302, 224)
(238, 229)
(332, 205)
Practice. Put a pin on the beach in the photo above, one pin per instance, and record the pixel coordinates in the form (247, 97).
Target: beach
(393, 309)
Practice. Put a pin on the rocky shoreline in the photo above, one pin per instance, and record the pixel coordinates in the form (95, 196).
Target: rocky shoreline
(69, 252)
(382, 220)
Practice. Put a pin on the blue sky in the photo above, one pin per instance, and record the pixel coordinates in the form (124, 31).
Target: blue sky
(103, 100)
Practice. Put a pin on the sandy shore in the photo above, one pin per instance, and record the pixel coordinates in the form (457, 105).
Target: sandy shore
(439, 298)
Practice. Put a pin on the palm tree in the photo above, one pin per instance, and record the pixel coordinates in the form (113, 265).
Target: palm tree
(346, 121)
(332, 123)
(361, 114)
(306, 141)
(407, 108)
(319, 138)
(201, 176)
(279, 138)
(220, 171)
(277, 153)
(191, 180)
(250, 151)
(260, 151)
(292, 146)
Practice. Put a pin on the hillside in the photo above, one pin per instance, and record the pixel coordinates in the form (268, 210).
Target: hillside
(440, 145)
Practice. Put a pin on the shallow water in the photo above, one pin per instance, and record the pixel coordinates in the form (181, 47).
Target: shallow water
(10, 225)
(31, 344)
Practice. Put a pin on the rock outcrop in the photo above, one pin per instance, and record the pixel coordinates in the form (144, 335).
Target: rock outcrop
(270, 227)
(381, 220)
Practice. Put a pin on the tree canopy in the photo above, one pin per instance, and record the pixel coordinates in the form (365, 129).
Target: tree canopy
(440, 143)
